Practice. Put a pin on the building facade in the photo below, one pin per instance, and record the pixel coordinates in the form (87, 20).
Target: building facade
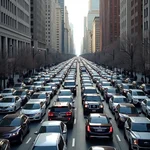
(96, 35)
(14, 27)
(38, 24)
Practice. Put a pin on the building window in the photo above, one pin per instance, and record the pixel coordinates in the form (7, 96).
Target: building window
(146, 25)
(145, 2)
(146, 12)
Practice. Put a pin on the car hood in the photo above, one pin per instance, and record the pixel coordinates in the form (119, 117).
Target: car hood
(73, 86)
(29, 111)
(6, 94)
(128, 115)
(6, 130)
(6, 104)
(86, 102)
(142, 135)
(140, 97)
(40, 100)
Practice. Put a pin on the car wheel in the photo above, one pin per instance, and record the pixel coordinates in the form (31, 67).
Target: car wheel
(130, 148)
(118, 123)
(21, 138)
(146, 114)
(28, 129)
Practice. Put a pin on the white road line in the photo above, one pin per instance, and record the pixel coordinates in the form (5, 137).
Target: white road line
(75, 121)
(118, 138)
(42, 121)
(73, 142)
(28, 140)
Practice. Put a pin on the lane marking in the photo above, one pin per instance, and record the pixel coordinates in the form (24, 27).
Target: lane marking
(118, 138)
(73, 142)
(28, 140)
(75, 121)
(42, 121)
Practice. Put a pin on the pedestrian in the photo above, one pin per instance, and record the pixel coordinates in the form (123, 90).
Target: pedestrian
(142, 79)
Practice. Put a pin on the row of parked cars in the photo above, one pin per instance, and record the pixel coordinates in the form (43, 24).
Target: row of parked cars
(122, 96)
(32, 97)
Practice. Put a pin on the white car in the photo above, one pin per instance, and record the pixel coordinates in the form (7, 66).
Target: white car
(10, 104)
(34, 110)
(136, 96)
(8, 91)
(145, 106)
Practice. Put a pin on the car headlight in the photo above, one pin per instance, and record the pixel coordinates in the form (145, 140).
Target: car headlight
(85, 105)
(135, 141)
(15, 133)
(11, 106)
(101, 106)
(37, 114)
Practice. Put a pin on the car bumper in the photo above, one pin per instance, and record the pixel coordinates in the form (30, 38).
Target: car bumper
(87, 111)
(34, 118)
(6, 110)
(137, 147)
(12, 139)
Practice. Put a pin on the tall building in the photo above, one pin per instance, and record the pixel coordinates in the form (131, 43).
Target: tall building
(14, 26)
(96, 35)
(62, 5)
(93, 4)
(109, 22)
(38, 24)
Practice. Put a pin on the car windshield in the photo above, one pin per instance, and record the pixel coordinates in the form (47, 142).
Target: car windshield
(38, 96)
(10, 122)
(38, 83)
(65, 93)
(17, 85)
(20, 93)
(126, 86)
(69, 84)
(45, 148)
(31, 106)
(128, 110)
(7, 100)
(106, 84)
(111, 90)
(138, 93)
(59, 109)
(147, 86)
(45, 129)
(65, 99)
(29, 87)
(93, 98)
(148, 103)
(141, 127)
(119, 100)
(90, 91)
(102, 120)
(7, 91)
(45, 89)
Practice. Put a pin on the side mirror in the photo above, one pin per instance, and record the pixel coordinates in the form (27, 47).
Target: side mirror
(116, 111)
(36, 132)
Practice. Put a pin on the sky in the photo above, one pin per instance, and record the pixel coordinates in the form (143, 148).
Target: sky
(77, 9)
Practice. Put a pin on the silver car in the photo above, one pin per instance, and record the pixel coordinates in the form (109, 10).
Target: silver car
(53, 126)
(145, 106)
(8, 91)
(34, 110)
(10, 104)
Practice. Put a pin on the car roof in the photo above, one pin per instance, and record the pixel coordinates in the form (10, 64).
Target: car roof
(119, 96)
(89, 87)
(64, 96)
(10, 96)
(65, 90)
(136, 90)
(33, 102)
(97, 115)
(69, 80)
(140, 120)
(60, 103)
(9, 89)
(13, 116)
(51, 123)
(40, 92)
(47, 139)
(92, 95)
(126, 105)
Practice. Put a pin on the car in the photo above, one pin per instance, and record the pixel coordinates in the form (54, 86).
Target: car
(70, 84)
(115, 100)
(8, 91)
(34, 110)
(56, 81)
(62, 111)
(18, 86)
(65, 92)
(124, 88)
(145, 88)
(145, 106)
(41, 96)
(49, 141)
(38, 85)
(53, 85)
(23, 94)
(10, 104)
(53, 126)
(103, 85)
(28, 81)
(14, 127)
(86, 85)
(123, 112)
(98, 126)
(4, 144)
(92, 103)
(136, 96)
(137, 133)
(48, 90)
(66, 99)
(102, 148)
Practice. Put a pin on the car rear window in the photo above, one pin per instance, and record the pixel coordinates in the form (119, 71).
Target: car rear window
(102, 120)
(45, 129)
(60, 109)
(44, 147)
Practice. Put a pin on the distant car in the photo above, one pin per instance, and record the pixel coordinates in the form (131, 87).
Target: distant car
(14, 127)
(30, 88)
(49, 141)
(34, 110)
(123, 112)
(28, 81)
(48, 90)
(145, 88)
(53, 126)
(125, 87)
(10, 104)
(98, 126)
(38, 85)
(137, 132)
(65, 92)
(18, 86)
(102, 148)
(145, 106)
(136, 96)
(4, 144)
(54, 86)
(8, 91)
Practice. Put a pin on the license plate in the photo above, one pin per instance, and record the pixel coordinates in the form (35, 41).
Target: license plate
(99, 130)
(93, 110)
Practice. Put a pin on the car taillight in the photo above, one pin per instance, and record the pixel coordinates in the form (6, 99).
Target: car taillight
(69, 113)
(111, 129)
(50, 114)
(88, 128)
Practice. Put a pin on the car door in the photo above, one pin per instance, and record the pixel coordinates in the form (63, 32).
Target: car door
(61, 144)
(127, 129)
(43, 107)
(17, 102)
(110, 103)
(24, 124)
(144, 105)
(117, 112)
(64, 130)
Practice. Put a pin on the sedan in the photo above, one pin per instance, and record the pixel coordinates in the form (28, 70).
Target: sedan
(10, 104)
(14, 127)
(8, 91)
(65, 92)
(145, 106)
(48, 89)
(53, 126)
(34, 110)
(98, 126)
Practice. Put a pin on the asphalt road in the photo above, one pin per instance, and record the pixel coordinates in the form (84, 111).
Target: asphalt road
(76, 136)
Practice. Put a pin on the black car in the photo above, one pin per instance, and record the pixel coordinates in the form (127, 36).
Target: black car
(62, 111)
(98, 126)
(92, 103)
(4, 144)
(14, 127)
(70, 84)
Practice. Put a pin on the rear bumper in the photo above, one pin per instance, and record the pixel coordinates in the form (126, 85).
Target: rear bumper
(87, 111)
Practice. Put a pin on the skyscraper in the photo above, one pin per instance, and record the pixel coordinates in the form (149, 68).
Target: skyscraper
(93, 5)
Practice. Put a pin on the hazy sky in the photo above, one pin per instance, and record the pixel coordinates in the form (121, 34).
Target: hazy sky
(77, 9)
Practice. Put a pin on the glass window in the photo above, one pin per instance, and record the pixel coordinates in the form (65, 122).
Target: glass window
(7, 100)
(45, 129)
(141, 127)
(128, 110)
(100, 119)
(31, 106)
(10, 122)
(59, 109)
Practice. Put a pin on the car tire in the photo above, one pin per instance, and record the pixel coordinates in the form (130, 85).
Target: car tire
(130, 148)
(118, 123)
(20, 138)
(28, 131)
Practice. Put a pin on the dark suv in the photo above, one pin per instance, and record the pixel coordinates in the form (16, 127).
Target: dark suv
(62, 111)
(70, 84)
